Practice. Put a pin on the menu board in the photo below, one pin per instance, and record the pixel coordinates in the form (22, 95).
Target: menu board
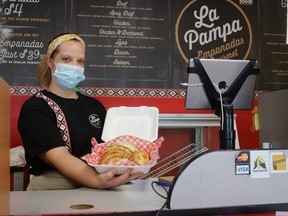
(127, 42)
(145, 43)
(26, 28)
(273, 47)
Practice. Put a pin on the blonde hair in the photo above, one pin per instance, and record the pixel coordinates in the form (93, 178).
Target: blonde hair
(44, 74)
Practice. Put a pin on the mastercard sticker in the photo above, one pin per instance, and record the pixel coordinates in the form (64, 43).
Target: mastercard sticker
(242, 163)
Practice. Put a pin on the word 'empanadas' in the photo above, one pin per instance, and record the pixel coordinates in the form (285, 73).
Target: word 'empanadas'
(124, 152)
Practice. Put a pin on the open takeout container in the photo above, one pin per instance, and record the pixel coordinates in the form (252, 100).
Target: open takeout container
(132, 124)
(141, 122)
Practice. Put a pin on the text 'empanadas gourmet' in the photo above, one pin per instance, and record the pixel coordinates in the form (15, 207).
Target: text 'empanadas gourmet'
(124, 152)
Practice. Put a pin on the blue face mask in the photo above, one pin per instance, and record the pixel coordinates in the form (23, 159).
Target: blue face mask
(68, 76)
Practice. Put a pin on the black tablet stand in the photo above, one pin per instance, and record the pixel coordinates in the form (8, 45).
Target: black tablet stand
(227, 134)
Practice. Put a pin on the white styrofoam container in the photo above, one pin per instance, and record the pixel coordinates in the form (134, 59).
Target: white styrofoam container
(141, 122)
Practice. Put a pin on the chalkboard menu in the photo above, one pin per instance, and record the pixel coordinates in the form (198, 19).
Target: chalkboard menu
(273, 47)
(127, 42)
(144, 43)
(25, 29)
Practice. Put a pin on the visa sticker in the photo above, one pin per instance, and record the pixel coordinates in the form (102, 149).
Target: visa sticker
(242, 169)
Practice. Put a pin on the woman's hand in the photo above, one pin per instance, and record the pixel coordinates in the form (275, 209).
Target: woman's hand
(111, 179)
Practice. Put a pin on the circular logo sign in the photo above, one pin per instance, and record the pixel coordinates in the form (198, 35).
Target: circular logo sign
(213, 29)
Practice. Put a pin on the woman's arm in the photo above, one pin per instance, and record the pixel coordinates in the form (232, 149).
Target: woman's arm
(78, 171)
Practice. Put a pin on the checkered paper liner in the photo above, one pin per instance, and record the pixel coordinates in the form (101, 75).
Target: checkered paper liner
(94, 157)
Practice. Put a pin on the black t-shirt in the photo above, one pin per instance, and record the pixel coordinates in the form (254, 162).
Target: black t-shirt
(39, 132)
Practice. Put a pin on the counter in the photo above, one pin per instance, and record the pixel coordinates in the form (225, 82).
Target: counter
(136, 198)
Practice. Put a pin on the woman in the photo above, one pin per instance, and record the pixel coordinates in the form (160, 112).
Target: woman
(57, 123)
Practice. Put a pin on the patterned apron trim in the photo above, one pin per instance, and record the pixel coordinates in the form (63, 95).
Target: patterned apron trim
(60, 117)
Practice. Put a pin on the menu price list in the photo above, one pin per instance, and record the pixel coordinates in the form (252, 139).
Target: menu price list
(127, 42)
(273, 47)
